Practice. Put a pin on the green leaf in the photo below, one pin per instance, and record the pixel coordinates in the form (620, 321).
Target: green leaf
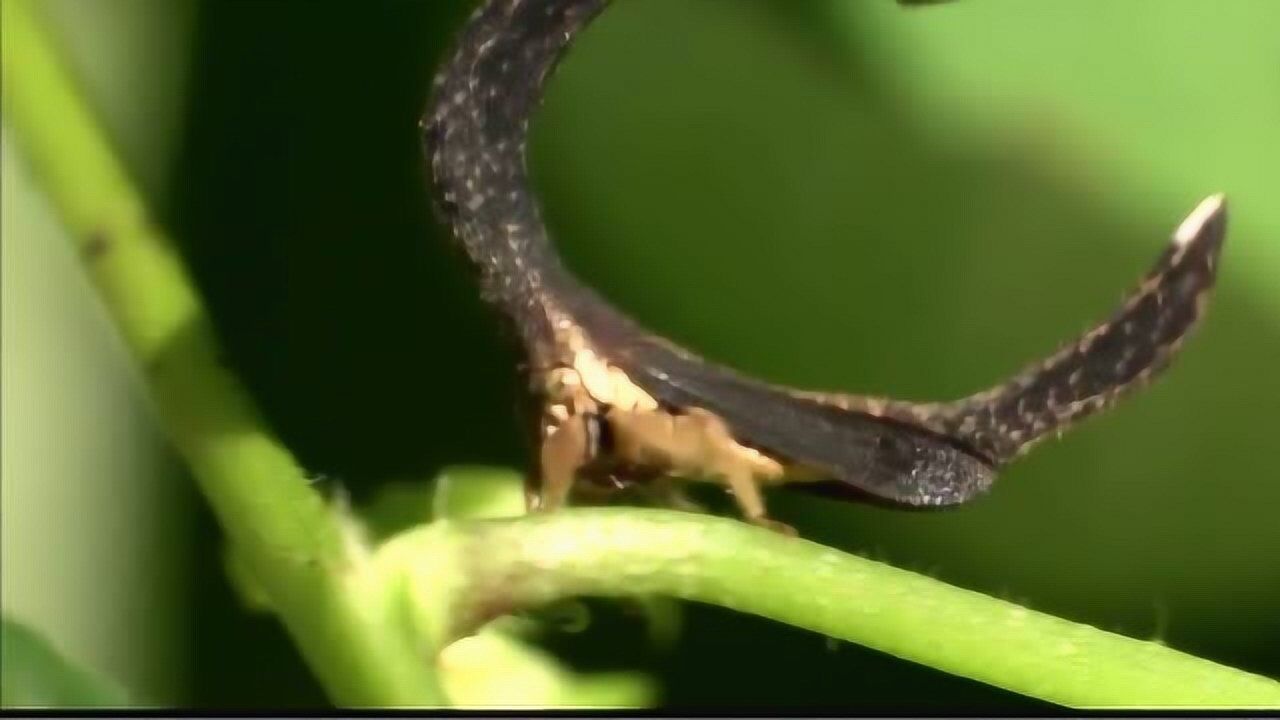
(34, 674)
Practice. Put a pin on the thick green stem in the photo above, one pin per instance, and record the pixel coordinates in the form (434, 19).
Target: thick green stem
(296, 548)
(498, 566)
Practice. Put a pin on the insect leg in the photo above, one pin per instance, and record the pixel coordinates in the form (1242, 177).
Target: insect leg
(566, 447)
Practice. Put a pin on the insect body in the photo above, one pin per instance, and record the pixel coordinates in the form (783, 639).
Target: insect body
(616, 399)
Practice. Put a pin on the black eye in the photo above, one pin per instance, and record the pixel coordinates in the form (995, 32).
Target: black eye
(886, 443)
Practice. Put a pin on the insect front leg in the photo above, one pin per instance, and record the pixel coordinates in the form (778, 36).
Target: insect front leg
(566, 448)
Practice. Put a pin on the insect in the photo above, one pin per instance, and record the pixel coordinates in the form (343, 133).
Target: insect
(616, 400)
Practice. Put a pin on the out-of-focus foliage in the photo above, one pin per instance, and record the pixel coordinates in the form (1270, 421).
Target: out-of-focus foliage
(34, 675)
(94, 512)
(844, 194)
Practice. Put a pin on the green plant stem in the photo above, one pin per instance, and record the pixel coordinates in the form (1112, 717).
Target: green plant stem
(498, 566)
(297, 549)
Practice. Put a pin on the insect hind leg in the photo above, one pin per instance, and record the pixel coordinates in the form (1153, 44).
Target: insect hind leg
(697, 443)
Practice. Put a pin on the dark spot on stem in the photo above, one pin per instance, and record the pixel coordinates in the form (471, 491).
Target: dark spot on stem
(97, 245)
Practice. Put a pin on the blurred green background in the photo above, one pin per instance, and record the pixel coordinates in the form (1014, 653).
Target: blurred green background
(908, 202)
